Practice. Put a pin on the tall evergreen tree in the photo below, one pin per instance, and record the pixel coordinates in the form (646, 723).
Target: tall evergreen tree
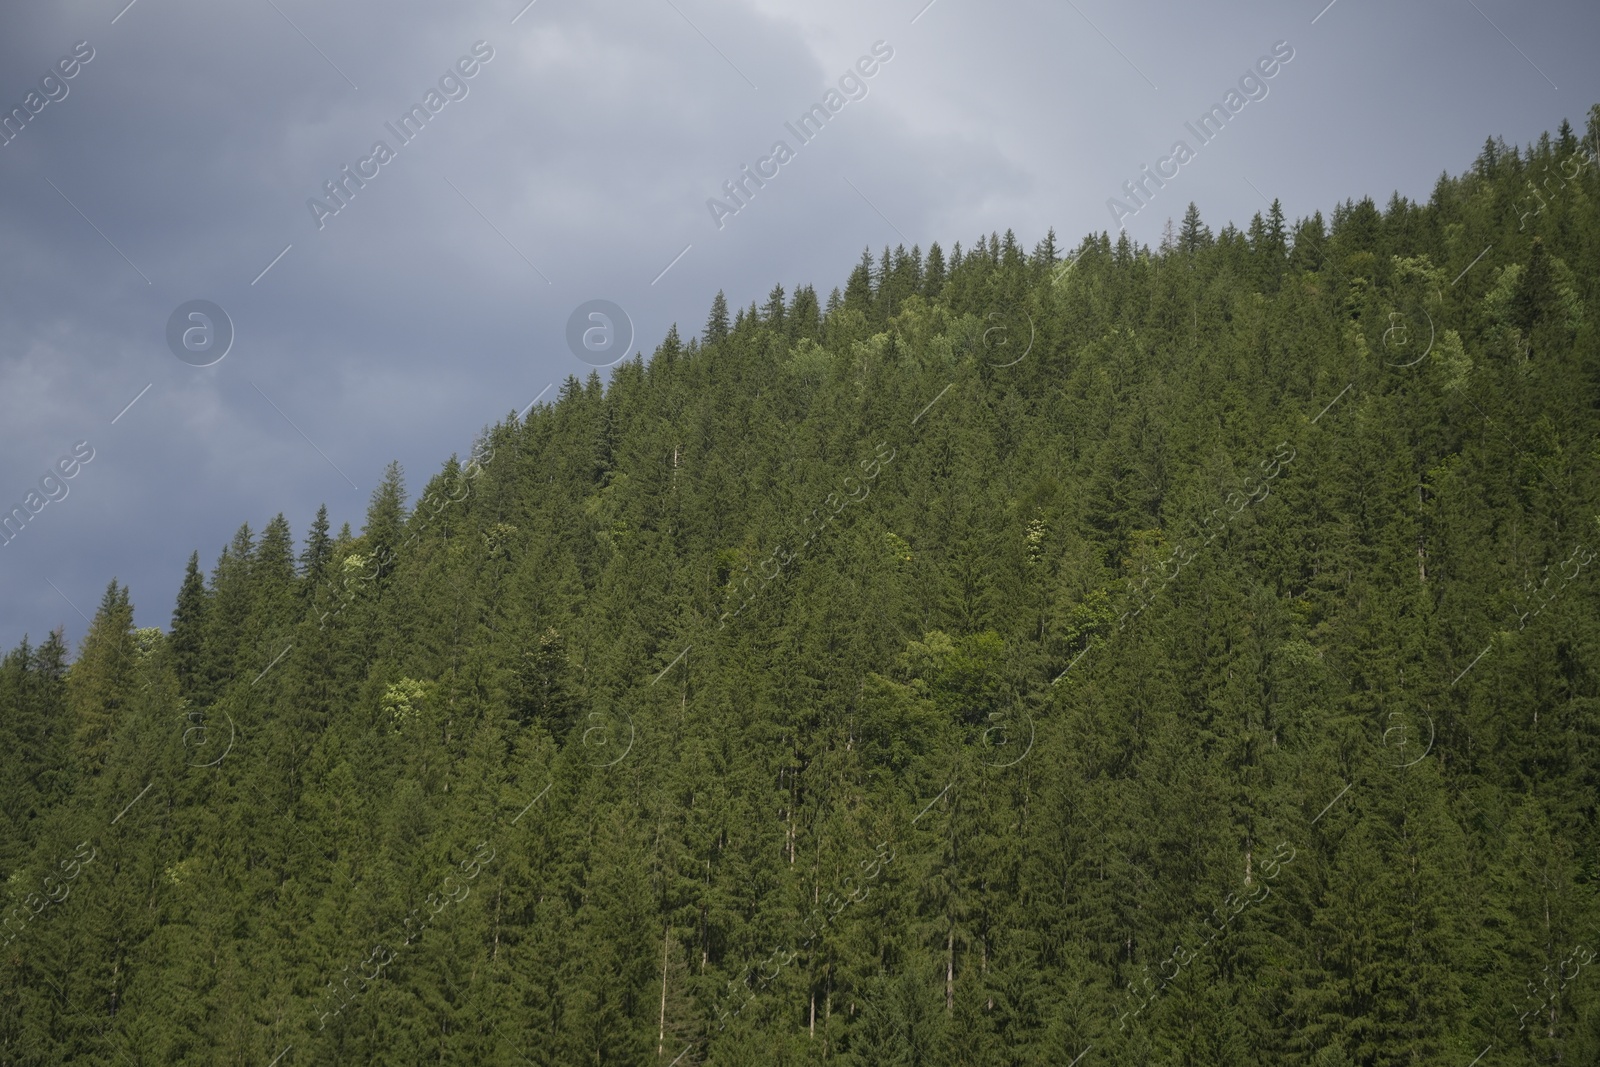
(933, 275)
(99, 689)
(1194, 234)
(315, 556)
(186, 638)
(717, 321)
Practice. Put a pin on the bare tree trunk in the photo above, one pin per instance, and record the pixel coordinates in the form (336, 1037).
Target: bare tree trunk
(498, 895)
(661, 1038)
(827, 1013)
(950, 971)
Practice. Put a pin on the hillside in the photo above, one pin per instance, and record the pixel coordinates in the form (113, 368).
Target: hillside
(1120, 655)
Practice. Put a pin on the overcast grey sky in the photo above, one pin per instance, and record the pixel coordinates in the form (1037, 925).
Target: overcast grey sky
(576, 163)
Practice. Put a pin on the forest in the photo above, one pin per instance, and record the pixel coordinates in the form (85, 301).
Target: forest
(988, 662)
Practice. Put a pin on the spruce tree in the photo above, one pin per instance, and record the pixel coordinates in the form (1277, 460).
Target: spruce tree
(1194, 234)
(99, 688)
(186, 638)
(716, 329)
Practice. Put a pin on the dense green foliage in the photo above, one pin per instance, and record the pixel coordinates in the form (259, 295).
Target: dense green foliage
(1179, 656)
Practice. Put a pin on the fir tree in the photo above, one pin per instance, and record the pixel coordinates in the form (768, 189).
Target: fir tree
(716, 329)
(1194, 234)
(187, 636)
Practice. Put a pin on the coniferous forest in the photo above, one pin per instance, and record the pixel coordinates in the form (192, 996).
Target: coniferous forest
(1100, 655)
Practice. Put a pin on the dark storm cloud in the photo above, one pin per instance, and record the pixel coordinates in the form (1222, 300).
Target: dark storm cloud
(576, 165)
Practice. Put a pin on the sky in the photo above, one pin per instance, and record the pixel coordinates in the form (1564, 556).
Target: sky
(575, 152)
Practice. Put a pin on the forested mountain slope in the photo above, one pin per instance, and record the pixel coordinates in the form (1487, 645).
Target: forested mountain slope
(1174, 656)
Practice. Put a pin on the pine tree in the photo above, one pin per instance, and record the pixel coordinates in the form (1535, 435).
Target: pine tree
(859, 291)
(805, 315)
(187, 636)
(1534, 298)
(382, 534)
(716, 329)
(1194, 234)
(1275, 246)
(933, 275)
(772, 313)
(314, 558)
(1045, 253)
(227, 618)
(99, 689)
